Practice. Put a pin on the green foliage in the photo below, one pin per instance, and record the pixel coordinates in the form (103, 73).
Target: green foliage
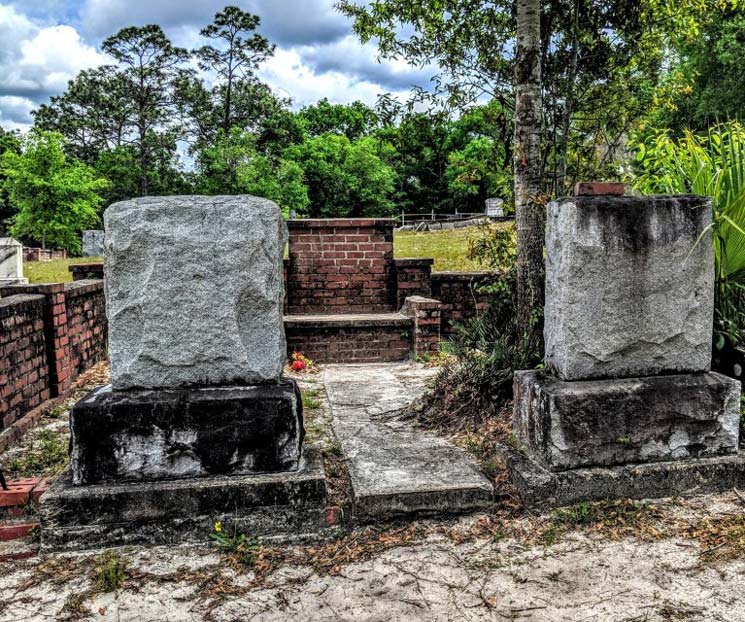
(488, 347)
(703, 84)
(149, 71)
(9, 141)
(55, 197)
(110, 571)
(238, 52)
(276, 179)
(344, 178)
(711, 164)
(233, 166)
(353, 120)
(246, 549)
(478, 170)
(598, 61)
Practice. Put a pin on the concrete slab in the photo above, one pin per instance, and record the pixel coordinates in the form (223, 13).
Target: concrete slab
(396, 469)
(274, 506)
(541, 489)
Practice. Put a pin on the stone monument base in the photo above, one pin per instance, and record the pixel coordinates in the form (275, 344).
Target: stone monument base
(541, 489)
(145, 435)
(585, 423)
(287, 506)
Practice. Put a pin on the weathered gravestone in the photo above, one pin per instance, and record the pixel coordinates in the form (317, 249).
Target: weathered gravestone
(93, 243)
(11, 262)
(627, 406)
(194, 294)
(494, 207)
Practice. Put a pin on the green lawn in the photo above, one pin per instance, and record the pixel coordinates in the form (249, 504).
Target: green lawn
(53, 271)
(449, 249)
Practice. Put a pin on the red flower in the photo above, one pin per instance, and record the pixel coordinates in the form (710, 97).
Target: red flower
(298, 365)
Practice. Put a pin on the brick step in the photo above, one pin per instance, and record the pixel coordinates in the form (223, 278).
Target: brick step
(17, 529)
(23, 491)
(351, 338)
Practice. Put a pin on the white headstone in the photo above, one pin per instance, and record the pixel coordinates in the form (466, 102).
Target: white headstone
(495, 208)
(11, 262)
(93, 243)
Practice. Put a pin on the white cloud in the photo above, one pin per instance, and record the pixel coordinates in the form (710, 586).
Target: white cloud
(14, 111)
(349, 56)
(36, 62)
(317, 54)
(289, 76)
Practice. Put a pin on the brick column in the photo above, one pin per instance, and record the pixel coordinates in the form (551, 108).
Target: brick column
(413, 278)
(426, 314)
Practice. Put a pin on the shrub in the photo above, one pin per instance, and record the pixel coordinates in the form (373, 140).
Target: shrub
(488, 348)
(712, 165)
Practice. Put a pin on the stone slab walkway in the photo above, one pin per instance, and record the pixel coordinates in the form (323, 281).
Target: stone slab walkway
(395, 468)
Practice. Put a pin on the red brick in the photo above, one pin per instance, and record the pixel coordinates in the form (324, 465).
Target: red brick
(597, 188)
(15, 531)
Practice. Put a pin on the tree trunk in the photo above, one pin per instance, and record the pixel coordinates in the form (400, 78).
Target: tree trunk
(530, 213)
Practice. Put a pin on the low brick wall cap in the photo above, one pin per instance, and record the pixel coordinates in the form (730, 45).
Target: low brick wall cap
(414, 261)
(464, 276)
(310, 223)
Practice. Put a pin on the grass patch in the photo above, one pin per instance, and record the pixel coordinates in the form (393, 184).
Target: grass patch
(56, 271)
(310, 399)
(110, 571)
(449, 249)
(47, 456)
(613, 519)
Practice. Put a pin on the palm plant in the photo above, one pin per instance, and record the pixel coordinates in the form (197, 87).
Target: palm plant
(712, 165)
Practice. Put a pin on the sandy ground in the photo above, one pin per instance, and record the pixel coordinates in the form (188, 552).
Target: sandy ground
(586, 575)
(667, 561)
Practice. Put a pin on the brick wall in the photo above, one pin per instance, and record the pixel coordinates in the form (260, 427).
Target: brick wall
(43, 254)
(345, 340)
(24, 376)
(413, 278)
(459, 295)
(86, 271)
(86, 324)
(341, 265)
(49, 333)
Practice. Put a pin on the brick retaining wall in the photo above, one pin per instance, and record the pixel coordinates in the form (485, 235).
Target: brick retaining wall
(341, 265)
(459, 295)
(344, 339)
(24, 375)
(49, 333)
(86, 324)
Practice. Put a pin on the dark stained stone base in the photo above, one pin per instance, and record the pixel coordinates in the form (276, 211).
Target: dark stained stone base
(587, 423)
(277, 506)
(146, 435)
(541, 489)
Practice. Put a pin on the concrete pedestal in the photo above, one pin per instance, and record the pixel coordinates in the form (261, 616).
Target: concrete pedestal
(569, 425)
(286, 506)
(542, 489)
(120, 436)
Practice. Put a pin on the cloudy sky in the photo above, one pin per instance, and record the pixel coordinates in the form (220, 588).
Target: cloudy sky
(44, 43)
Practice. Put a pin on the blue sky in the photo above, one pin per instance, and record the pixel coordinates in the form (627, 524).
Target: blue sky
(44, 43)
